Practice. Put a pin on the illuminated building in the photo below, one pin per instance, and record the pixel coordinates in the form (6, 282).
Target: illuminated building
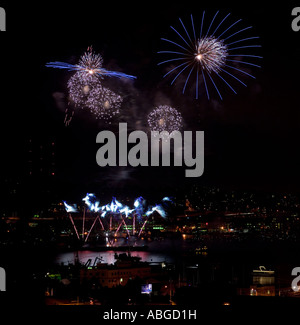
(126, 268)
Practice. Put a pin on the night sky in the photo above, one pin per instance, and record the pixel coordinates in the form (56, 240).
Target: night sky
(251, 139)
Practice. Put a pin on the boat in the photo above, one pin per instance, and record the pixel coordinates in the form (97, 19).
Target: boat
(262, 271)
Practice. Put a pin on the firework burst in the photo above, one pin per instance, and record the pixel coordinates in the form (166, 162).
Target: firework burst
(211, 54)
(212, 57)
(165, 118)
(85, 86)
(82, 88)
(115, 215)
(90, 63)
(104, 103)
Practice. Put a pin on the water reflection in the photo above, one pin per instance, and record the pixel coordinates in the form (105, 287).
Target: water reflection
(263, 280)
(109, 256)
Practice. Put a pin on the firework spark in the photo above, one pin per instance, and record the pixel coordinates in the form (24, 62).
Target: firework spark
(165, 118)
(213, 54)
(89, 64)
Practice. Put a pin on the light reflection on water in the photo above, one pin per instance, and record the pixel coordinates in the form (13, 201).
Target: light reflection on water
(263, 280)
(240, 262)
(158, 252)
(109, 256)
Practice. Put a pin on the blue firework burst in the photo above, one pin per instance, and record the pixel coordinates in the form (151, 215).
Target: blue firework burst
(90, 63)
(206, 57)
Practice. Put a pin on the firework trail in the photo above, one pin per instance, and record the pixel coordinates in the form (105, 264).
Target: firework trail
(89, 64)
(139, 212)
(68, 116)
(212, 56)
(165, 118)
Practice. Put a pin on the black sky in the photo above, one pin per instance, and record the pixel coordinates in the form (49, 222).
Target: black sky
(251, 138)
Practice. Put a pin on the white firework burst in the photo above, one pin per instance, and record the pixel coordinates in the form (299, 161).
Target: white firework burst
(165, 118)
(211, 54)
(104, 103)
(90, 63)
(80, 88)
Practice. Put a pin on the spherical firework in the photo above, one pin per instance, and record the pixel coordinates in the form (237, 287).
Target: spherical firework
(165, 118)
(211, 54)
(104, 103)
(81, 87)
(90, 63)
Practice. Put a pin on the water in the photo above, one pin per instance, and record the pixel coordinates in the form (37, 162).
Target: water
(109, 256)
(233, 261)
(158, 252)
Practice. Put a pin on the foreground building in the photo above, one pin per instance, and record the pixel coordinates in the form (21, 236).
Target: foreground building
(125, 268)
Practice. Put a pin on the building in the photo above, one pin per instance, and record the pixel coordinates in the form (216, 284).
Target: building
(125, 268)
